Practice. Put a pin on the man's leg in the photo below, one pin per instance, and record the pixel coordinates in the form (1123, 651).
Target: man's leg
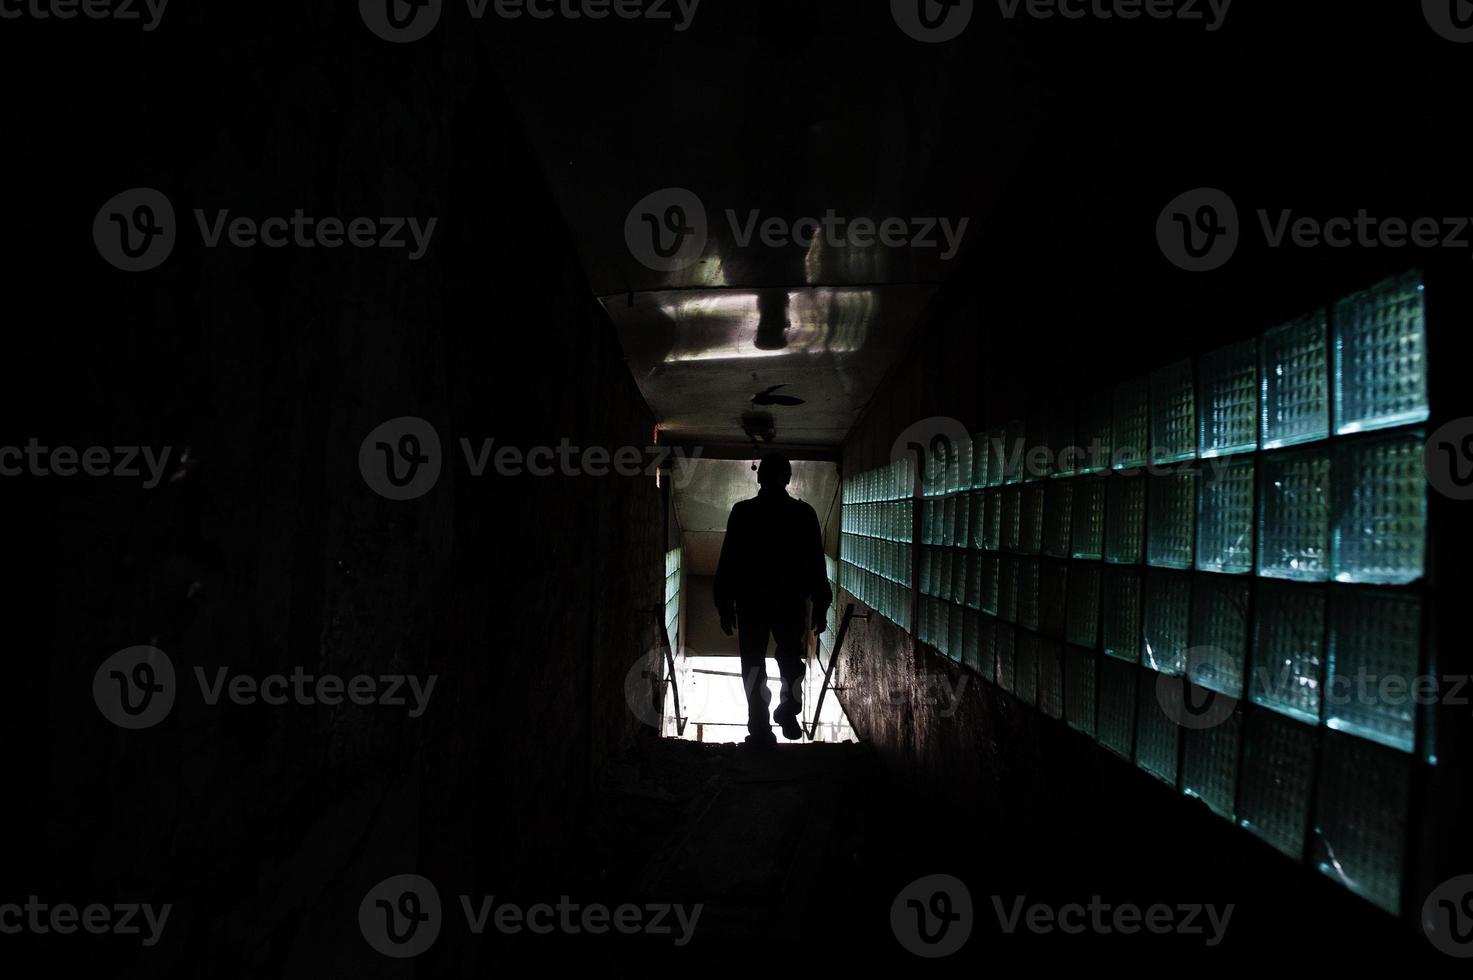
(789, 627)
(753, 625)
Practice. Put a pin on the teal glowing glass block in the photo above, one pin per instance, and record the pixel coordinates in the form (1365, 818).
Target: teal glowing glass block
(1121, 601)
(956, 632)
(1064, 461)
(971, 637)
(1288, 649)
(988, 585)
(1171, 500)
(1015, 451)
(987, 648)
(1079, 689)
(1225, 516)
(1156, 732)
(1083, 614)
(1096, 422)
(1275, 781)
(949, 526)
(1360, 832)
(992, 520)
(1007, 590)
(1227, 404)
(1168, 604)
(976, 526)
(959, 467)
(1294, 383)
(1036, 462)
(1087, 528)
(1379, 528)
(1012, 518)
(1375, 654)
(997, 453)
(961, 531)
(1173, 413)
(1115, 709)
(928, 571)
(1132, 423)
(1007, 670)
(973, 597)
(1051, 678)
(1209, 767)
(1125, 519)
(1025, 678)
(981, 455)
(958, 578)
(1028, 575)
(1030, 522)
(1058, 509)
(1218, 652)
(1381, 356)
(1294, 515)
(1053, 591)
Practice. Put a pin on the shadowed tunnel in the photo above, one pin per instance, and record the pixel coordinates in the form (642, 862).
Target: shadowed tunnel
(382, 377)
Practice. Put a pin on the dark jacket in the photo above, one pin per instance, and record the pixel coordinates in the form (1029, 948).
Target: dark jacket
(773, 552)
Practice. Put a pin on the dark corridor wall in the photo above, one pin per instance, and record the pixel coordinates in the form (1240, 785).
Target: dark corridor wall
(530, 598)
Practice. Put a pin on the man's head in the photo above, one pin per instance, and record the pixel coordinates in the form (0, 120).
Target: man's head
(775, 472)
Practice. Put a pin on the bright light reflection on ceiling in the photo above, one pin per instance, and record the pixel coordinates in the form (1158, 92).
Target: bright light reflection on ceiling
(723, 326)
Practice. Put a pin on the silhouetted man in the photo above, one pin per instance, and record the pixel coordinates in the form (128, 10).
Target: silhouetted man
(771, 565)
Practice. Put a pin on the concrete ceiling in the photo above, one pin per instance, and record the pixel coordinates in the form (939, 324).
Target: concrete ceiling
(774, 110)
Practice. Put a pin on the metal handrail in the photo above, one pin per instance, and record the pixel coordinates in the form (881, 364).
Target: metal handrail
(833, 659)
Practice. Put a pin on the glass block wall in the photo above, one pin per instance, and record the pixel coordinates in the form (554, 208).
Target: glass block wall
(875, 544)
(1247, 526)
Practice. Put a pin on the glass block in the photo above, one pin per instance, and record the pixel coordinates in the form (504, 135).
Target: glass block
(1088, 522)
(1058, 509)
(1168, 604)
(1115, 711)
(1051, 678)
(1095, 424)
(1079, 689)
(1173, 413)
(1012, 518)
(988, 584)
(1083, 613)
(1379, 526)
(1381, 356)
(1030, 522)
(996, 455)
(958, 578)
(1225, 516)
(1294, 515)
(1288, 648)
(1007, 590)
(1125, 519)
(1171, 518)
(1006, 659)
(1155, 732)
(1121, 590)
(1218, 651)
(1361, 819)
(1036, 462)
(976, 529)
(1053, 593)
(973, 597)
(1294, 383)
(981, 454)
(956, 632)
(1209, 768)
(1274, 786)
(1227, 405)
(1131, 429)
(956, 522)
(992, 520)
(987, 648)
(971, 635)
(1025, 680)
(1028, 575)
(1065, 460)
(1015, 451)
(1374, 661)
